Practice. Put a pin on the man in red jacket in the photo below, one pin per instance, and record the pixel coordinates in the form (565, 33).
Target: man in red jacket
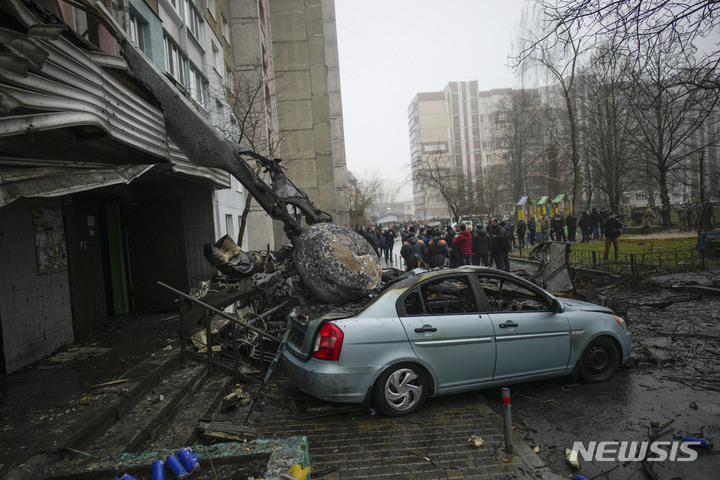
(463, 242)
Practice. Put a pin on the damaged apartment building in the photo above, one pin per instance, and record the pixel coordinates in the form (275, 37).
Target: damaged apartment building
(97, 203)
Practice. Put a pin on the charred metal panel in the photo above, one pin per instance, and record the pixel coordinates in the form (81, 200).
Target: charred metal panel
(336, 264)
(553, 274)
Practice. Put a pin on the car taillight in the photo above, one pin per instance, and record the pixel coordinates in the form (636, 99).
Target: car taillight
(328, 342)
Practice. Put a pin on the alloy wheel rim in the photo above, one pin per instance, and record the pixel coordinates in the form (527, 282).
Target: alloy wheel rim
(402, 390)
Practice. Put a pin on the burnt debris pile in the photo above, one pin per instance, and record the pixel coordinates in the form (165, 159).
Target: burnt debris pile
(236, 321)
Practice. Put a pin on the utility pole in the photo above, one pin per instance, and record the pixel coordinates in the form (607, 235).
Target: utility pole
(701, 155)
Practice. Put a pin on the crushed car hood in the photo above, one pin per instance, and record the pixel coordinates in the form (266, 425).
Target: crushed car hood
(578, 305)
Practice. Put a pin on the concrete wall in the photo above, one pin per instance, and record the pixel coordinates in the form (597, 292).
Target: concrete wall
(35, 313)
(337, 128)
(308, 98)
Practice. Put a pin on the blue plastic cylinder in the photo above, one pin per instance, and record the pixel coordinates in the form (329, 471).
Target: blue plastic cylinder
(188, 458)
(126, 476)
(580, 477)
(158, 469)
(175, 466)
(699, 442)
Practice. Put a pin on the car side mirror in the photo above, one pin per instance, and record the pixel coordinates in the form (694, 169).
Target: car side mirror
(557, 306)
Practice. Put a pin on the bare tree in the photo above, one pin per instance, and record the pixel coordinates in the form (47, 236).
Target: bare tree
(609, 129)
(670, 113)
(363, 194)
(248, 96)
(557, 53)
(522, 135)
(629, 22)
(440, 174)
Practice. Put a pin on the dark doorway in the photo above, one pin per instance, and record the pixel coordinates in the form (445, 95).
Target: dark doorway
(84, 237)
(156, 252)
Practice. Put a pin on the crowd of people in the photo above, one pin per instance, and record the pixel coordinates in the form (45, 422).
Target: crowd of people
(450, 246)
(489, 244)
(459, 245)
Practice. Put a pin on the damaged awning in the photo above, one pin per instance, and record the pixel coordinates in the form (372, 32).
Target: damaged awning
(16, 182)
(72, 119)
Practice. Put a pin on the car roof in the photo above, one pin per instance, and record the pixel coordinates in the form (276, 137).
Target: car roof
(418, 275)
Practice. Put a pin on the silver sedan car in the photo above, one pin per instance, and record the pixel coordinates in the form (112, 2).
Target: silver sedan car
(447, 331)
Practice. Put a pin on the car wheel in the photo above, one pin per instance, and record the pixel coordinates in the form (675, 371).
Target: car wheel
(599, 360)
(400, 390)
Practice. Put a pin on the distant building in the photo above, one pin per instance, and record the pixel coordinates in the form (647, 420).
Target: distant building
(430, 138)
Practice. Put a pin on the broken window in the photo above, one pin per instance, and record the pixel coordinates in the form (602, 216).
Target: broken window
(443, 296)
(508, 296)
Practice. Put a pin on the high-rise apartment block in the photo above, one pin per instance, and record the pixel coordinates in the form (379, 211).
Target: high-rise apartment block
(458, 129)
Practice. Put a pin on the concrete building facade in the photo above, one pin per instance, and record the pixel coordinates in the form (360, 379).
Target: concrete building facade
(308, 101)
(97, 204)
(430, 126)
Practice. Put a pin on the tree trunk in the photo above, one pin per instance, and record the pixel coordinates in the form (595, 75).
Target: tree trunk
(664, 200)
(575, 156)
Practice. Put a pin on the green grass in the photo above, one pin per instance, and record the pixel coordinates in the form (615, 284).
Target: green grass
(638, 244)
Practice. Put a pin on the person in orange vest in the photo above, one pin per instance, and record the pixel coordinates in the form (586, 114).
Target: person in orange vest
(413, 251)
(438, 251)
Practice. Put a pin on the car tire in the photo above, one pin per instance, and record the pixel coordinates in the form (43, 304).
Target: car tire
(599, 360)
(400, 390)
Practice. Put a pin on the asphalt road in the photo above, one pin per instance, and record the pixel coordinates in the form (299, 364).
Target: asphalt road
(669, 390)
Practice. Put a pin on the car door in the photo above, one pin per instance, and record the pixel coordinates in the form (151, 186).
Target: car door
(530, 338)
(448, 332)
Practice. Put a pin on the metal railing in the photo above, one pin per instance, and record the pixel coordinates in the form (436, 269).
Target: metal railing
(643, 262)
(637, 263)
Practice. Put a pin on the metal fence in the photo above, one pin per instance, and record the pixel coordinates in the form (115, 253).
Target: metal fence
(638, 263)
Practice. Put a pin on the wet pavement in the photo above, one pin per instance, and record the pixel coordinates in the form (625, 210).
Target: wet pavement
(354, 442)
(45, 408)
(672, 381)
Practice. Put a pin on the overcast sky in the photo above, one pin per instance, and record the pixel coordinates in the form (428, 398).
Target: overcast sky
(390, 50)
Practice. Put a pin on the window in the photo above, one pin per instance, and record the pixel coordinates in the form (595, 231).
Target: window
(504, 142)
(488, 158)
(443, 296)
(194, 21)
(219, 111)
(216, 63)
(176, 63)
(225, 29)
(486, 118)
(211, 8)
(509, 296)
(229, 225)
(136, 32)
(197, 86)
(486, 131)
(488, 144)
